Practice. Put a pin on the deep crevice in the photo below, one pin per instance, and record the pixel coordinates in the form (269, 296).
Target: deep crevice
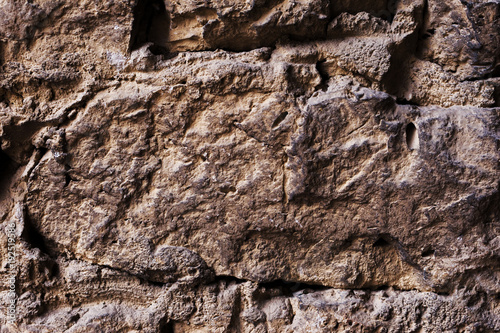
(151, 25)
(428, 33)
(428, 253)
(496, 96)
(67, 179)
(74, 318)
(404, 101)
(35, 238)
(412, 141)
(288, 288)
(381, 242)
(320, 67)
(7, 169)
(279, 119)
(166, 326)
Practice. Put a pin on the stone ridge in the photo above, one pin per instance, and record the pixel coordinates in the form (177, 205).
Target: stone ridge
(265, 166)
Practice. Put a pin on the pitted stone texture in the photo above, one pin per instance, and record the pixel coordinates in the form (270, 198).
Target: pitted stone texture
(236, 166)
(218, 173)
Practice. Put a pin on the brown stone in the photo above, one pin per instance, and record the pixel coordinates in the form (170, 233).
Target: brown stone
(262, 166)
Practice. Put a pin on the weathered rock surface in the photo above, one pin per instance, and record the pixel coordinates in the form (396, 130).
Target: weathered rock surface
(266, 166)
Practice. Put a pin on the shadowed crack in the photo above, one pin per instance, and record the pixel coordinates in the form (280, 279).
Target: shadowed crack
(35, 238)
(151, 25)
(7, 169)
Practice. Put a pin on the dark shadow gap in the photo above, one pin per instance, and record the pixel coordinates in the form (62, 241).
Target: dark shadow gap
(404, 101)
(288, 288)
(7, 170)
(166, 326)
(35, 238)
(151, 25)
(6, 165)
(412, 141)
(75, 318)
(428, 253)
(228, 279)
(279, 119)
(381, 242)
(320, 67)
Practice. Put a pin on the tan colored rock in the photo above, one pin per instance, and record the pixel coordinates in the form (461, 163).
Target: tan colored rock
(218, 166)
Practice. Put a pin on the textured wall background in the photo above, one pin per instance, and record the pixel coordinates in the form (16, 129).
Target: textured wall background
(260, 166)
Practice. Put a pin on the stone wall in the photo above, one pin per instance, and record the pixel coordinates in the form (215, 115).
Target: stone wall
(259, 166)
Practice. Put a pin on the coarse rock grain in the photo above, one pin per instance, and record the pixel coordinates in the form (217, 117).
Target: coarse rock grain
(259, 166)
